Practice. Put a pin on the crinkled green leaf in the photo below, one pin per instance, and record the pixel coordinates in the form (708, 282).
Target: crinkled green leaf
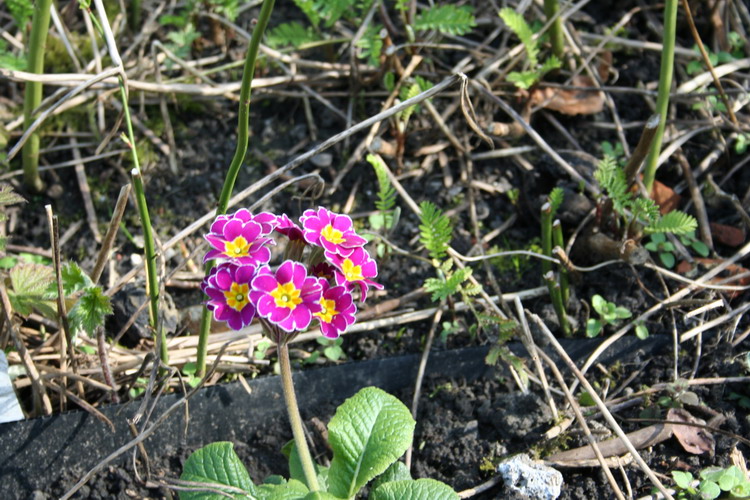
(89, 311)
(30, 289)
(74, 279)
(421, 489)
(217, 465)
(398, 471)
(295, 466)
(369, 432)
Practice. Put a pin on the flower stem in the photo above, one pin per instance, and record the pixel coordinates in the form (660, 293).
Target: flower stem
(294, 417)
(237, 159)
(665, 85)
(33, 93)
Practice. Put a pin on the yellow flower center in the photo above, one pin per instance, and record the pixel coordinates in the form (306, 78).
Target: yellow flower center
(286, 295)
(237, 296)
(239, 247)
(333, 235)
(328, 312)
(352, 272)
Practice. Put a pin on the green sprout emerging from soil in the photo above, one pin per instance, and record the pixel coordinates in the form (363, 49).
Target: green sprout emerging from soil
(609, 314)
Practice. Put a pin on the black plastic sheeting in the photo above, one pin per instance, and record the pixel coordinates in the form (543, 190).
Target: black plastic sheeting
(34, 453)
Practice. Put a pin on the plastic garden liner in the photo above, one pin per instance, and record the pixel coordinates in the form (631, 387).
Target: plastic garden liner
(34, 453)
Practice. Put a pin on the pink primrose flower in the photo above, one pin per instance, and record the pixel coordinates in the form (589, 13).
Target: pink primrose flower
(334, 232)
(355, 269)
(288, 228)
(240, 238)
(288, 297)
(337, 311)
(228, 290)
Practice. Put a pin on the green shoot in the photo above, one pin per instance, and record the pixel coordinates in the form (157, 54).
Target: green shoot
(609, 314)
(387, 217)
(435, 230)
(519, 26)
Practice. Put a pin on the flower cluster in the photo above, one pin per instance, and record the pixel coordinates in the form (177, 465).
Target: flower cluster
(289, 297)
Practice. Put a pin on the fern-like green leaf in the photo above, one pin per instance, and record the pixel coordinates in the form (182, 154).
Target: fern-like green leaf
(448, 19)
(292, 33)
(523, 79)
(412, 90)
(443, 288)
(552, 62)
(612, 179)
(674, 222)
(521, 28)
(11, 61)
(645, 210)
(310, 10)
(21, 10)
(435, 230)
(386, 192)
(372, 45)
(8, 196)
(556, 197)
(333, 10)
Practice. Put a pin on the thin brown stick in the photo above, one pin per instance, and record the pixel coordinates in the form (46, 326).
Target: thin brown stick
(109, 237)
(602, 407)
(707, 62)
(40, 394)
(582, 422)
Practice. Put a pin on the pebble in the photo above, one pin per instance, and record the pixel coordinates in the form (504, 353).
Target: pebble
(534, 480)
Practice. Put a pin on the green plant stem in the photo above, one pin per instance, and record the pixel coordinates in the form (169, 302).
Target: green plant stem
(558, 241)
(33, 93)
(551, 9)
(546, 217)
(665, 85)
(237, 159)
(557, 302)
(294, 417)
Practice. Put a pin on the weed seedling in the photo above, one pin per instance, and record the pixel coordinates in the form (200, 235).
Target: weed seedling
(664, 248)
(714, 481)
(609, 314)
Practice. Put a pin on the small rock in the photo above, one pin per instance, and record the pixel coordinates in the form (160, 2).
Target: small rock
(322, 160)
(531, 479)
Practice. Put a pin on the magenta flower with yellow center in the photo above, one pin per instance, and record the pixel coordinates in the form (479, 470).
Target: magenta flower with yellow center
(355, 269)
(241, 238)
(288, 297)
(337, 311)
(228, 290)
(334, 232)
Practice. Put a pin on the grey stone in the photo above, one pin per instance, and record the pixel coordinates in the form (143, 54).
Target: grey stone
(531, 479)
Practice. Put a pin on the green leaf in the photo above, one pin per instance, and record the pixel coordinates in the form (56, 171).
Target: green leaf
(21, 10)
(700, 248)
(448, 19)
(309, 8)
(218, 465)
(641, 331)
(284, 490)
(585, 399)
(435, 230)
(74, 279)
(371, 44)
(682, 479)
(332, 10)
(442, 288)
(421, 489)
(398, 471)
(674, 222)
(593, 327)
(555, 198)
(386, 191)
(89, 311)
(622, 312)
(369, 432)
(320, 495)
(598, 303)
(523, 79)
(30, 289)
(521, 28)
(709, 490)
(667, 259)
(548, 65)
(292, 33)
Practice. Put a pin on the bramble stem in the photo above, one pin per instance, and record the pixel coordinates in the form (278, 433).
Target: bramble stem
(294, 417)
(237, 160)
(33, 93)
(665, 85)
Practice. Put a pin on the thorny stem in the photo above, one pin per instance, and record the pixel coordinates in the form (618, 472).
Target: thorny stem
(237, 160)
(294, 417)
(33, 95)
(665, 84)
